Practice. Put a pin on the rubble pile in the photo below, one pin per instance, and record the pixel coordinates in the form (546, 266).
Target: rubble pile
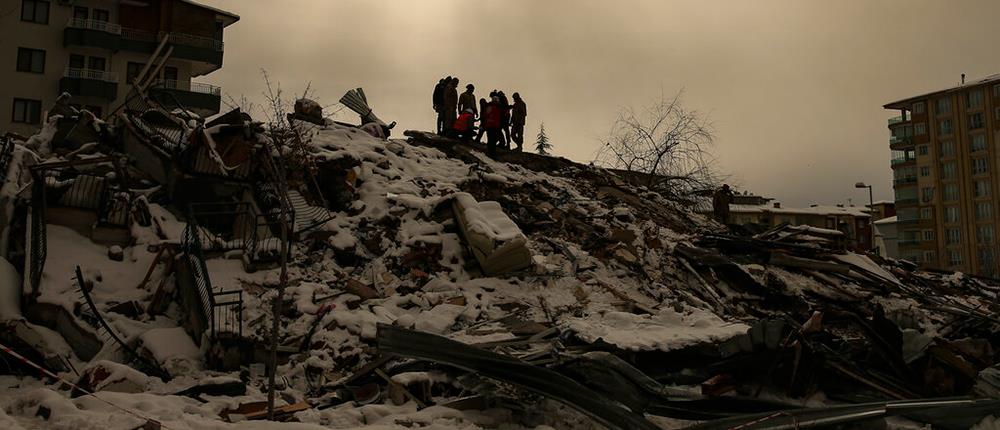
(431, 285)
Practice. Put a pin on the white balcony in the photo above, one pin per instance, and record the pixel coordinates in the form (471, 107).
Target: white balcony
(97, 75)
(93, 24)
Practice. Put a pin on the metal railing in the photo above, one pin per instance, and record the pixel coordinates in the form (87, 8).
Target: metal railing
(223, 308)
(97, 75)
(199, 161)
(905, 180)
(155, 125)
(175, 38)
(95, 24)
(902, 160)
(194, 87)
(6, 154)
(897, 120)
(37, 234)
(896, 140)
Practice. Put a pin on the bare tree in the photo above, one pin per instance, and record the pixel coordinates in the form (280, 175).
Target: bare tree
(667, 143)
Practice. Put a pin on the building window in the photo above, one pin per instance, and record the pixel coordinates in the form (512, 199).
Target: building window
(36, 11)
(980, 166)
(948, 170)
(919, 128)
(954, 257)
(132, 71)
(80, 12)
(30, 60)
(978, 142)
(27, 111)
(930, 256)
(975, 121)
(981, 188)
(927, 194)
(984, 234)
(996, 90)
(943, 106)
(996, 114)
(925, 170)
(100, 15)
(928, 235)
(926, 213)
(923, 150)
(951, 214)
(975, 100)
(984, 211)
(97, 63)
(950, 192)
(944, 127)
(918, 108)
(953, 236)
(77, 61)
(947, 149)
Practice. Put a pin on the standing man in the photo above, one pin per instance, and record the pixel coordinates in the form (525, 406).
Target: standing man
(505, 118)
(468, 100)
(492, 116)
(519, 112)
(449, 104)
(721, 200)
(438, 98)
(482, 120)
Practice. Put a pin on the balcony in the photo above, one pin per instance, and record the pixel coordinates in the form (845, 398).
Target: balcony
(202, 99)
(897, 120)
(906, 180)
(206, 52)
(900, 141)
(902, 160)
(89, 83)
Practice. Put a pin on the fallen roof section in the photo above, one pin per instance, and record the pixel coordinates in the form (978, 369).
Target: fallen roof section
(424, 346)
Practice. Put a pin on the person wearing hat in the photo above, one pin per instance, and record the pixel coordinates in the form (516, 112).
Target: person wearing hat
(468, 100)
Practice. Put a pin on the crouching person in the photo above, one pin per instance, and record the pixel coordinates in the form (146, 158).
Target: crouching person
(464, 128)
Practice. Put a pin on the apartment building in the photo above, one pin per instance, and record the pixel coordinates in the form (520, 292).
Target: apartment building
(944, 148)
(93, 49)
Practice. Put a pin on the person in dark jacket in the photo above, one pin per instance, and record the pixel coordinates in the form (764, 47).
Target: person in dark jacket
(467, 100)
(482, 121)
(519, 112)
(505, 118)
(449, 104)
(492, 117)
(437, 99)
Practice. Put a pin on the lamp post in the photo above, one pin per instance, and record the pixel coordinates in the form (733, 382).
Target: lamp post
(871, 210)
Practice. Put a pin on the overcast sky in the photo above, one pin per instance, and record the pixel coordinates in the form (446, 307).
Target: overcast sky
(793, 87)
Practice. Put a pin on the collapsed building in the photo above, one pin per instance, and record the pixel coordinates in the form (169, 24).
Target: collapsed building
(430, 285)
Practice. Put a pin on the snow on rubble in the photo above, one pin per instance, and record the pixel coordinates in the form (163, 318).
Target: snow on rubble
(568, 271)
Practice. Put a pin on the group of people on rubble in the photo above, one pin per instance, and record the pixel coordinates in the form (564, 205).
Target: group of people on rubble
(501, 121)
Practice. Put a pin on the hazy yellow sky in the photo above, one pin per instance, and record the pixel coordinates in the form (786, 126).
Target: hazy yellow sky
(794, 87)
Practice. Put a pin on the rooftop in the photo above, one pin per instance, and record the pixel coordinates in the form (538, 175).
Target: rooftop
(905, 103)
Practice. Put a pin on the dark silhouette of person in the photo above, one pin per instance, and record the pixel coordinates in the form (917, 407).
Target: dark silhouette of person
(438, 99)
(467, 100)
(482, 120)
(519, 112)
(449, 104)
(505, 118)
(492, 117)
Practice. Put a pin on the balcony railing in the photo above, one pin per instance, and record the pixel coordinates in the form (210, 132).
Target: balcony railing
(896, 120)
(94, 24)
(909, 242)
(97, 75)
(895, 140)
(901, 160)
(177, 38)
(909, 201)
(905, 180)
(194, 87)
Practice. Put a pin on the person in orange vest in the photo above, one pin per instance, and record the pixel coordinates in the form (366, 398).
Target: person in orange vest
(492, 117)
(464, 127)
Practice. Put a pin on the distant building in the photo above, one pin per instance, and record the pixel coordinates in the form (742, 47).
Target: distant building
(944, 157)
(883, 209)
(92, 49)
(886, 237)
(854, 221)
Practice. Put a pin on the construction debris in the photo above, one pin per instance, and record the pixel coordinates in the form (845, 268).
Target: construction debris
(431, 285)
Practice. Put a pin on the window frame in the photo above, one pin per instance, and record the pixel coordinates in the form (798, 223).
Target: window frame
(980, 162)
(31, 60)
(28, 103)
(34, 11)
(976, 125)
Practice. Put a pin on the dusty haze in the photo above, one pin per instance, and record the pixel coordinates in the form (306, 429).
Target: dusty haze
(794, 87)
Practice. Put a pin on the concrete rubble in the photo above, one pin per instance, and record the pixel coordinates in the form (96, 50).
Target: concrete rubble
(430, 285)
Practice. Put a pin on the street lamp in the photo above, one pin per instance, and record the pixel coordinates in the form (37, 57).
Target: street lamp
(871, 210)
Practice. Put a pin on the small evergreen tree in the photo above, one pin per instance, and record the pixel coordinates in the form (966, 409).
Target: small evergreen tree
(542, 145)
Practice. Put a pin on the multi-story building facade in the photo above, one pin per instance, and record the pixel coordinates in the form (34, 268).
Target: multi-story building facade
(93, 49)
(944, 160)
